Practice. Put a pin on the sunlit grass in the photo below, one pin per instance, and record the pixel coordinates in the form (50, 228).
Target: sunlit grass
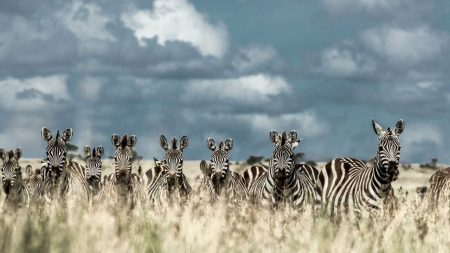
(199, 226)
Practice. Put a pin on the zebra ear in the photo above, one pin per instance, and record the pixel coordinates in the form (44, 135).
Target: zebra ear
(29, 170)
(274, 137)
(67, 135)
(211, 144)
(206, 170)
(399, 127)
(2, 154)
(87, 152)
(292, 138)
(132, 141)
(46, 134)
(163, 142)
(228, 144)
(18, 153)
(115, 140)
(377, 128)
(100, 151)
(184, 141)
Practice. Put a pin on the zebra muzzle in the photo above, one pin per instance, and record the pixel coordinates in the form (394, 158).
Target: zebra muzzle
(7, 186)
(393, 171)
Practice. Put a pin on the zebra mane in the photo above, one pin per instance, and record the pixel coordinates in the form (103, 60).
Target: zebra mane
(283, 138)
(174, 143)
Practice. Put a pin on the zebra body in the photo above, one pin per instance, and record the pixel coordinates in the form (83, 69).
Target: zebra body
(14, 187)
(349, 186)
(59, 178)
(167, 179)
(439, 190)
(283, 181)
(218, 179)
(123, 184)
(93, 170)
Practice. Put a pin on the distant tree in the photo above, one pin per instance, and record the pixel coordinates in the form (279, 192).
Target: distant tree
(72, 149)
(254, 159)
(299, 157)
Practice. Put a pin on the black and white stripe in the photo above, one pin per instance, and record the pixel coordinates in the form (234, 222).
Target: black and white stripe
(218, 179)
(283, 181)
(60, 178)
(167, 179)
(348, 185)
(439, 191)
(93, 170)
(123, 183)
(13, 185)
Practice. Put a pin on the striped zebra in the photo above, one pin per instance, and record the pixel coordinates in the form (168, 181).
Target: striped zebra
(123, 184)
(93, 170)
(13, 185)
(349, 186)
(167, 179)
(283, 182)
(439, 191)
(32, 180)
(59, 178)
(218, 178)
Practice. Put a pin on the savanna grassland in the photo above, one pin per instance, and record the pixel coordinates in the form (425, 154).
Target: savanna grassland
(199, 226)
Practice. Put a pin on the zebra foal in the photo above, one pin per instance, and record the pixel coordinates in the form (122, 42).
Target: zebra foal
(218, 179)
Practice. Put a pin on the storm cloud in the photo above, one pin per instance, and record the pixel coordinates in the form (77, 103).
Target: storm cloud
(232, 69)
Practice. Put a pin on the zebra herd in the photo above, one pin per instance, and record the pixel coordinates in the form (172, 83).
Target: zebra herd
(343, 186)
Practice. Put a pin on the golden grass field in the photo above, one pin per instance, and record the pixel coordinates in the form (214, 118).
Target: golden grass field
(198, 226)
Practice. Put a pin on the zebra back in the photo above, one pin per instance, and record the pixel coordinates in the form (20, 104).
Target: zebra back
(439, 190)
(349, 186)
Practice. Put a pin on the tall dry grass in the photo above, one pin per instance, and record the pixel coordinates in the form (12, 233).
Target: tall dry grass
(199, 226)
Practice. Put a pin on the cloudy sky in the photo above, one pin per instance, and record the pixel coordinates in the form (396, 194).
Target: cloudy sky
(235, 68)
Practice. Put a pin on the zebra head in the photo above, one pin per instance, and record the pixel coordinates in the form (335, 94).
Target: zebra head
(123, 156)
(10, 169)
(220, 162)
(56, 152)
(388, 154)
(93, 168)
(172, 164)
(282, 161)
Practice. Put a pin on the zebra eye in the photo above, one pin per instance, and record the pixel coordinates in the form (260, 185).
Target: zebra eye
(380, 148)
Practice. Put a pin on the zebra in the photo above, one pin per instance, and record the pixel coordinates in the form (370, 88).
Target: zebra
(439, 191)
(283, 182)
(218, 178)
(14, 187)
(93, 170)
(123, 183)
(32, 180)
(167, 179)
(350, 186)
(60, 178)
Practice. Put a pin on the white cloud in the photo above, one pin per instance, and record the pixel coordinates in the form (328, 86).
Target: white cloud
(177, 20)
(86, 21)
(253, 89)
(343, 63)
(90, 87)
(405, 46)
(368, 5)
(32, 94)
(254, 57)
(305, 123)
